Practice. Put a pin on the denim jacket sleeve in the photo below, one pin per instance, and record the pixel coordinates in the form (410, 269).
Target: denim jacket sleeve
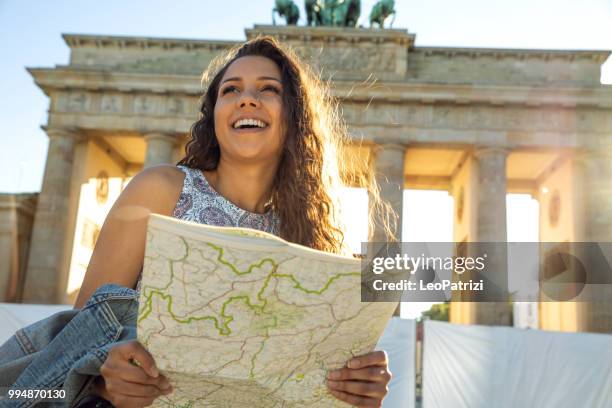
(67, 349)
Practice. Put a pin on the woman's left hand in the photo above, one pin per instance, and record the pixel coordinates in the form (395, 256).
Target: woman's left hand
(363, 382)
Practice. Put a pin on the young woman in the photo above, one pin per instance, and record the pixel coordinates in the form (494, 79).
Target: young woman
(264, 154)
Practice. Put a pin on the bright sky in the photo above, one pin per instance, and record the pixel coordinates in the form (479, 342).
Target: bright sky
(30, 36)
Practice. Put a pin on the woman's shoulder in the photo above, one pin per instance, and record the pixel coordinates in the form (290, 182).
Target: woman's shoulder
(159, 186)
(164, 176)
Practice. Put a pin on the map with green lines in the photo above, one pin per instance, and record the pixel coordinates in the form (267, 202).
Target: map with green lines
(241, 318)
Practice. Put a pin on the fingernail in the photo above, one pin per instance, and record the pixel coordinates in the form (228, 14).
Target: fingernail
(354, 363)
(165, 384)
(334, 375)
(154, 372)
(332, 384)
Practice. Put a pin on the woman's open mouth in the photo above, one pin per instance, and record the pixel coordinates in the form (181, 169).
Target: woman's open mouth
(249, 126)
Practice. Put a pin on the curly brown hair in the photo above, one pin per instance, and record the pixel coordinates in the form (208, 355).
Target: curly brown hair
(306, 186)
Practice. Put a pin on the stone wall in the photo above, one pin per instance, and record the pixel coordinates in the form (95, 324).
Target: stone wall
(349, 54)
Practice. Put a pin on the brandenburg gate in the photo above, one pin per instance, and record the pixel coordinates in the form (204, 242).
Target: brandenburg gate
(478, 123)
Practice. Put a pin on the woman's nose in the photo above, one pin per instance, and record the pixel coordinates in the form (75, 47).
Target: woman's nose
(249, 99)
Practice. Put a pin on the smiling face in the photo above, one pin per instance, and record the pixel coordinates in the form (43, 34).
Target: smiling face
(248, 112)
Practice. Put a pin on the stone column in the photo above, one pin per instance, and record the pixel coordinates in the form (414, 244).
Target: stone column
(490, 166)
(593, 168)
(45, 276)
(9, 244)
(491, 211)
(160, 148)
(388, 167)
(594, 179)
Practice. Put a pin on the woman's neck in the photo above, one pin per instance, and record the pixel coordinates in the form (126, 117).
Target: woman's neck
(247, 186)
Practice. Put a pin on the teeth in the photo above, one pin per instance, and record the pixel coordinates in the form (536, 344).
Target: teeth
(251, 122)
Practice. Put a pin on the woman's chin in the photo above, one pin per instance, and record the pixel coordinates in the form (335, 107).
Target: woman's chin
(252, 155)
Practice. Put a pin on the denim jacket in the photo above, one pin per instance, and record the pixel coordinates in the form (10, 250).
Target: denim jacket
(66, 350)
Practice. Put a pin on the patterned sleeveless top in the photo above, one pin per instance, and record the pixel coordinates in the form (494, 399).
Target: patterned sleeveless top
(200, 203)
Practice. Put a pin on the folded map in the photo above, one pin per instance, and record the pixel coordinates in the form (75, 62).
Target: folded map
(236, 317)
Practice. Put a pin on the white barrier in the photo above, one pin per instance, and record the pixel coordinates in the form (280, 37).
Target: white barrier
(483, 366)
(14, 316)
(399, 341)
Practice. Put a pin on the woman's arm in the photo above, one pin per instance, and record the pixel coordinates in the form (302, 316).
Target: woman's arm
(119, 252)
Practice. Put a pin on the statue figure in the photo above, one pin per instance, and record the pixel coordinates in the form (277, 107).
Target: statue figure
(288, 10)
(342, 13)
(381, 10)
(313, 13)
(353, 10)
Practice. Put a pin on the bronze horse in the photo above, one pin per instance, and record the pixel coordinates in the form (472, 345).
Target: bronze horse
(342, 13)
(381, 10)
(288, 10)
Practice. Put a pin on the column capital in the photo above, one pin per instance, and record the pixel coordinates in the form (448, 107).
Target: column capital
(63, 132)
(160, 147)
(481, 151)
(163, 136)
(389, 146)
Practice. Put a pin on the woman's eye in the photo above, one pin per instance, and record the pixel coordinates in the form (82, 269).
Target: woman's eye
(228, 89)
(270, 88)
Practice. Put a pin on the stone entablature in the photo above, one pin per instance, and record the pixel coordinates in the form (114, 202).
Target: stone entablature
(63, 78)
(350, 54)
(524, 116)
(505, 66)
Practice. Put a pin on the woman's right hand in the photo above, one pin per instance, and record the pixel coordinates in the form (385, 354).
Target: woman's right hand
(127, 384)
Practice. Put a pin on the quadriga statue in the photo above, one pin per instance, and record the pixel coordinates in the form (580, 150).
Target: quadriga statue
(342, 13)
(381, 10)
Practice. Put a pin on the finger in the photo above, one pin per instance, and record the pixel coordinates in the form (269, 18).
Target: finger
(359, 388)
(356, 400)
(376, 358)
(131, 373)
(374, 373)
(129, 389)
(133, 350)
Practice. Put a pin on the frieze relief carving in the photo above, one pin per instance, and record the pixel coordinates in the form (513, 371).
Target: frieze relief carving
(181, 106)
(445, 116)
(376, 112)
(350, 112)
(483, 117)
(480, 117)
(145, 104)
(417, 115)
(174, 106)
(78, 102)
(514, 119)
(125, 104)
(111, 103)
(589, 120)
(546, 119)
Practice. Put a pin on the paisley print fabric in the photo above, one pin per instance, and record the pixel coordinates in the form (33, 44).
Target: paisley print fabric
(200, 203)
